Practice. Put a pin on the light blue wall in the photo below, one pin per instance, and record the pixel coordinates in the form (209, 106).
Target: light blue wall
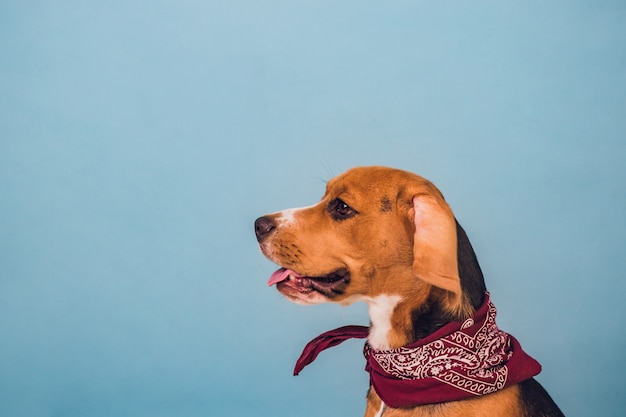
(140, 140)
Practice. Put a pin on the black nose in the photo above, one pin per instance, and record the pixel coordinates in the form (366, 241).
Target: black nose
(262, 227)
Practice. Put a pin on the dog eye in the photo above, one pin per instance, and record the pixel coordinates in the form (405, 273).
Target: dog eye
(340, 210)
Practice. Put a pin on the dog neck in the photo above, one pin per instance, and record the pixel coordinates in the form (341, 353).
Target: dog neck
(397, 321)
(381, 311)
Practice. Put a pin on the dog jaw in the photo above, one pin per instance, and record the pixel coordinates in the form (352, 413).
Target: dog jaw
(307, 289)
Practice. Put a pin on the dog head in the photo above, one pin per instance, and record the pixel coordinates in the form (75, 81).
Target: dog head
(376, 231)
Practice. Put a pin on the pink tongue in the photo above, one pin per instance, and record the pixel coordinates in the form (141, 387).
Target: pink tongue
(281, 275)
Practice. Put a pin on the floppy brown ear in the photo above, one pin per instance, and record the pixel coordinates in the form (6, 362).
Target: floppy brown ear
(435, 244)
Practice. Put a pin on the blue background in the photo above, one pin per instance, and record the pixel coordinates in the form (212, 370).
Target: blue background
(140, 140)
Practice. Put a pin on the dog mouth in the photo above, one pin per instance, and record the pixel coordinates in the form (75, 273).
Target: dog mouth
(329, 285)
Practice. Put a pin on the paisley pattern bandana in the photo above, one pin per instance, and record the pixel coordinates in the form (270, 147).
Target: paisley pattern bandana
(460, 360)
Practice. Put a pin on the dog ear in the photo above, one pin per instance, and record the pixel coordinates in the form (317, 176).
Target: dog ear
(435, 243)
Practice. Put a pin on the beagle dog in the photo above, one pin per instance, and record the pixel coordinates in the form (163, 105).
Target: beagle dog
(388, 238)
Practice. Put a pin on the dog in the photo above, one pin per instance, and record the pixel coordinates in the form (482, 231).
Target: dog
(388, 238)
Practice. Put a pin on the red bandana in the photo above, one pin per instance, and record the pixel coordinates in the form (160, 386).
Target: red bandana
(460, 360)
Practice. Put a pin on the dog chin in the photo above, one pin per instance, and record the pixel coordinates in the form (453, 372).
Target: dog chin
(305, 300)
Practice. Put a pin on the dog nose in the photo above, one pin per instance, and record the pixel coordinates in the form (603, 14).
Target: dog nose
(262, 227)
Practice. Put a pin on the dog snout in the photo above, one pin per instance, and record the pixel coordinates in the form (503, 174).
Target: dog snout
(263, 226)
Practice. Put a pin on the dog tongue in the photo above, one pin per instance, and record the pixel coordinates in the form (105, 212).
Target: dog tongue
(281, 275)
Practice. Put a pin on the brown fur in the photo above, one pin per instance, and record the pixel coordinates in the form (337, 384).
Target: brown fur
(386, 235)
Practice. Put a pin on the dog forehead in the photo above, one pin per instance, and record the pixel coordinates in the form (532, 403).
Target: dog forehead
(373, 180)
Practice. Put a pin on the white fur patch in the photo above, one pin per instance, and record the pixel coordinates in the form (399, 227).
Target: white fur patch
(288, 216)
(380, 310)
(381, 411)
